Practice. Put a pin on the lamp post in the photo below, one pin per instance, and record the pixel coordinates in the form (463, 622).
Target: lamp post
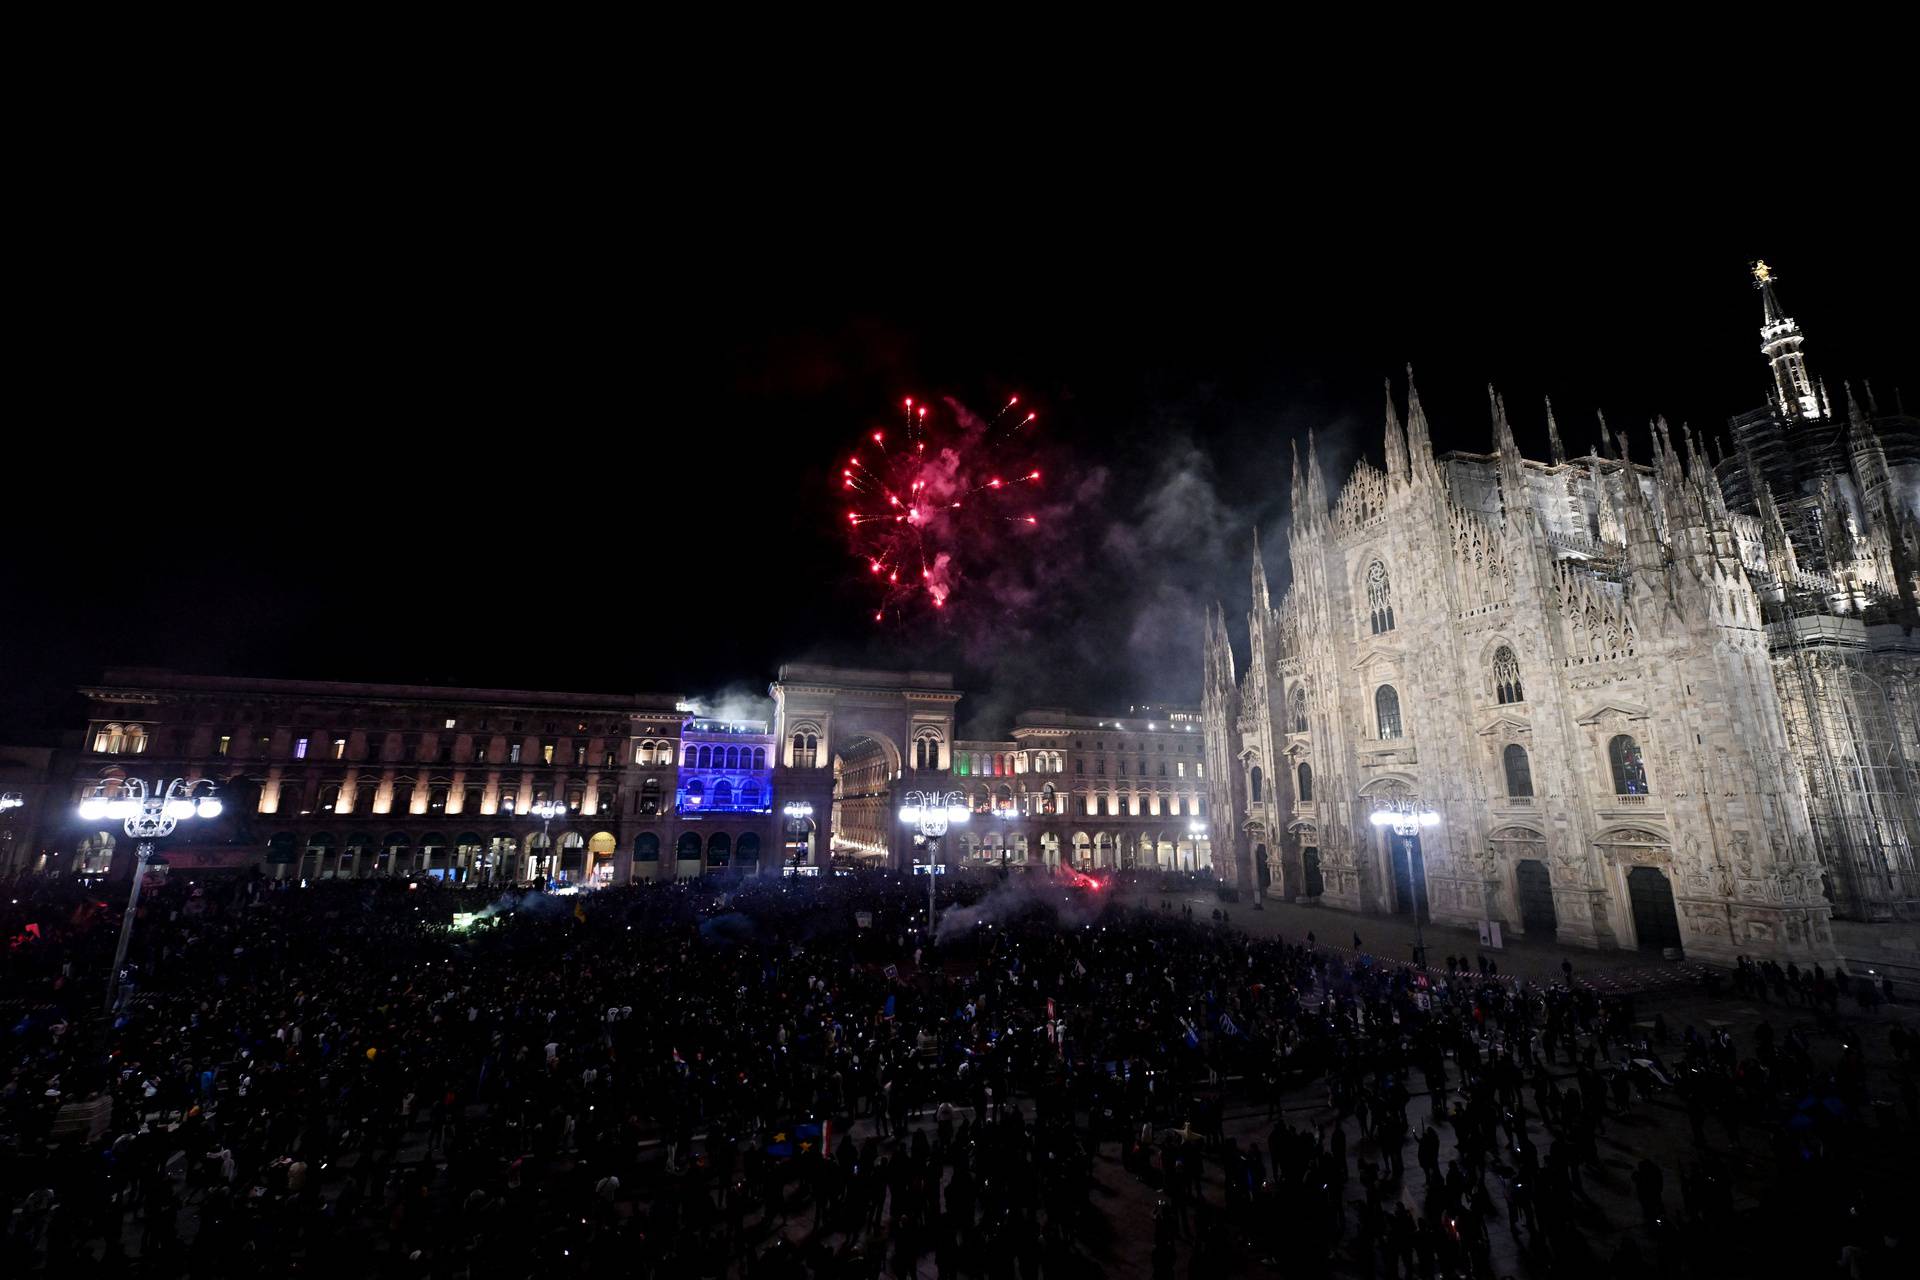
(1405, 817)
(547, 811)
(146, 815)
(930, 814)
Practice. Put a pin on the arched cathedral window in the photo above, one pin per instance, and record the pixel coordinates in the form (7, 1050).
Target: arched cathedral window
(1506, 676)
(1297, 708)
(1629, 766)
(1379, 598)
(1253, 783)
(1519, 771)
(1306, 781)
(1386, 710)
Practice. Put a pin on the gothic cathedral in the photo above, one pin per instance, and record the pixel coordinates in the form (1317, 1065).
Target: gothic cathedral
(1661, 704)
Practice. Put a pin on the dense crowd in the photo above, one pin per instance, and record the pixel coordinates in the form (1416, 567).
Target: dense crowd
(790, 1078)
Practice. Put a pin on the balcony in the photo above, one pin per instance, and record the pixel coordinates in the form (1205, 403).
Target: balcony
(1636, 805)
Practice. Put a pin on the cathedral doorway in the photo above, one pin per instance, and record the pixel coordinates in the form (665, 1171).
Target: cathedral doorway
(1262, 872)
(1655, 922)
(1310, 862)
(1409, 875)
(1534, 888)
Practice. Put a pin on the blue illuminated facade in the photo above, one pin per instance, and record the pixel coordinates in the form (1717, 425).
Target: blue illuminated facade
(726, 766)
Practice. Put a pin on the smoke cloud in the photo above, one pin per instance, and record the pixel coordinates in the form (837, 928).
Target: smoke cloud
(1018, 896)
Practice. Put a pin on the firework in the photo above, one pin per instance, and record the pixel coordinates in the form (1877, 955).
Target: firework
(932, 495)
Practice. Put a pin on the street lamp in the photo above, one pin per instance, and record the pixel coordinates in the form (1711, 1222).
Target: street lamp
(930, 814)
(547, 811)
(1405, 816)
(146, 815)
(1198, 831)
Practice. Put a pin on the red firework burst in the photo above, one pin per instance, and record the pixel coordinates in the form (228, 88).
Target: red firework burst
(932, 495)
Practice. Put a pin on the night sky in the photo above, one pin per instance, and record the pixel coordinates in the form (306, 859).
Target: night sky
(589, 450)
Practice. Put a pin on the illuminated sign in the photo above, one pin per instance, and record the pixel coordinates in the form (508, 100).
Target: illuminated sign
(799, 809)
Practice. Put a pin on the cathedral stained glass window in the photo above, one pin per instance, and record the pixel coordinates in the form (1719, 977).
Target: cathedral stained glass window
(1519, 770)
(1379, 598)
(1629, 766)
(1386, 710)
(1506, 676)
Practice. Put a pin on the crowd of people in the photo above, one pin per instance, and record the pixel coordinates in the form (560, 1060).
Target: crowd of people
(794, 1077)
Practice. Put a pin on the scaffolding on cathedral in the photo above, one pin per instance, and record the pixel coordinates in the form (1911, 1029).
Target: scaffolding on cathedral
(1861, 783)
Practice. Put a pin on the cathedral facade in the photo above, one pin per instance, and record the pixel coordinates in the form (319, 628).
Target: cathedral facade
(1669, 703)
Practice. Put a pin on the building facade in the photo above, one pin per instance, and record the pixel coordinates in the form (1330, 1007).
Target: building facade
(1633, 712)
(331, 780)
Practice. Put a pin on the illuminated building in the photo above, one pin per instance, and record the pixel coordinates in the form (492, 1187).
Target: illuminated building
(335, 780)
(1657, 705)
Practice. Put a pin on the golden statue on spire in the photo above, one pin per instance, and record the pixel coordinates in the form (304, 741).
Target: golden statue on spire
(1762, 274)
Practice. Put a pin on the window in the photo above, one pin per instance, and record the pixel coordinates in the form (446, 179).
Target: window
(1379, 599)
(1629, 768)
(546, 753)
(650, 796)
(603, 802)
(437, 797)
(1506, 676)
(580, 754)
(1253, 784)
(262, 744)
(470, 799)
(329, 797)
(806, 747)
(224, 746)
(646, 847)
(480, 752)
(575, 798)
(509, 799)
(339, 748)
(607, 761)
(1386, 711)
(513, 753)
(1306, 781)
(109, 739)
(1519, 771)
(299, 748)
(448, 725)
(723, 794)
(1181, 766)
(1297, 708)
(136, 739)
(1079, 765)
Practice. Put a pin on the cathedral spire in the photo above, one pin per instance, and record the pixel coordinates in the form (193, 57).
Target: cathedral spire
(1605, 439)
(1316, 485)
(1396, 440)
(1419, 440)
(1773, 536)
(1298, 510)
(1513, 476)
(1780, 342)
(1261, 604)
(1553, 436)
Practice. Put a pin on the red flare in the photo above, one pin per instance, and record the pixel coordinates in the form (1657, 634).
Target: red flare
(1031, 520)
(876, 566)
(876, 437)
(1033, 475)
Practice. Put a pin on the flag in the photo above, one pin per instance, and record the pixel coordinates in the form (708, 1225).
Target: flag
(1356, 942)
